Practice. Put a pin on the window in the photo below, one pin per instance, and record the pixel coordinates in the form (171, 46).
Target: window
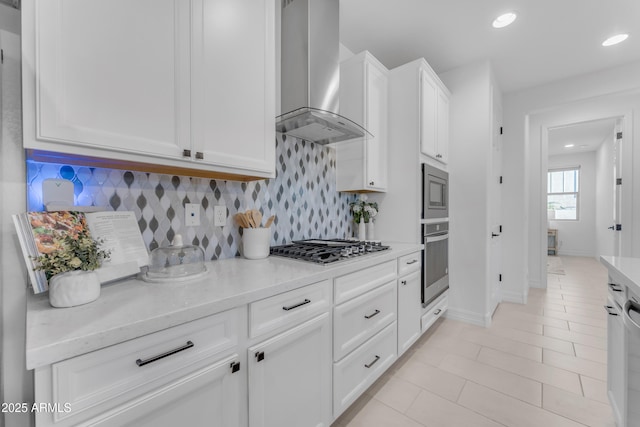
(562, 194)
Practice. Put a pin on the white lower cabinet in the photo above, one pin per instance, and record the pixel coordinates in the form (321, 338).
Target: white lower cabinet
(616, 363)
(208, 397)
(357, 371)
(186, 374)
(435, 311)
(290, 377)
(409, 310)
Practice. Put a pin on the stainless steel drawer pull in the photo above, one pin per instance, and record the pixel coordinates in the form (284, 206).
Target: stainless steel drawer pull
(615, 288)
(375, 313)
(438, 311)
(141, 362)
(186, 153)
(413, 261)
(291, 307)
(368, 365)
(609, 308)
(404, 282)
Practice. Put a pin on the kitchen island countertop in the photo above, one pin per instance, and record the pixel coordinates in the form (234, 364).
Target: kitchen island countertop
(132, 308)
(624, 269)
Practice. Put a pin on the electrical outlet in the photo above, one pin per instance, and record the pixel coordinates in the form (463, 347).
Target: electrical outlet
(219, 215)
(191, 214)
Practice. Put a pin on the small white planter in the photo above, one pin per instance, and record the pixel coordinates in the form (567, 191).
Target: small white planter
(73, 288)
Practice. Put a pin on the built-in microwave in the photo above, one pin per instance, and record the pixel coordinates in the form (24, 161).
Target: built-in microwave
(435, 193)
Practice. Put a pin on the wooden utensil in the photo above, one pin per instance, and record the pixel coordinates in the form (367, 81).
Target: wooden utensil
(241, 219)
(257, 218)
(269, 221)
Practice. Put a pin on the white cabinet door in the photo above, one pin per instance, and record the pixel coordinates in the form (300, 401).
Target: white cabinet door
(428, 114)
(234, 83)
(110, 74)
(362, 163)
(434, 117)
(290, 377)
(376, 124)
(209, 397)
(616, 361)
(443, 126)
(409, 311)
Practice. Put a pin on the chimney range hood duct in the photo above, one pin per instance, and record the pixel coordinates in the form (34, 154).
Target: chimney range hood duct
(310, 74)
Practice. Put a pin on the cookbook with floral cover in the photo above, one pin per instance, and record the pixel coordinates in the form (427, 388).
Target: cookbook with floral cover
(118, 233)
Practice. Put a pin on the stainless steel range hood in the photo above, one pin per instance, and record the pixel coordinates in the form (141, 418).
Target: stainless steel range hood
(310, 73)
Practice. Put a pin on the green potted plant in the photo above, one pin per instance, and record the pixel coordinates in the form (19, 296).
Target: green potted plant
(70, 270)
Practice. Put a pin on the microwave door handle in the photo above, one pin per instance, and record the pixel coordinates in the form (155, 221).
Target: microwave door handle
(432, 239)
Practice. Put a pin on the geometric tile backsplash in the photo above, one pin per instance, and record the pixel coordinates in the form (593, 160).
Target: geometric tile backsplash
(303, 198)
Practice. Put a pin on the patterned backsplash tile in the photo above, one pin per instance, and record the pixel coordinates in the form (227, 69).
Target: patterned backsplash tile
(303, 198)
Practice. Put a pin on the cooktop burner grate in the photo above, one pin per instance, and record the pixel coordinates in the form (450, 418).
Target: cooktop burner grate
(327, 251)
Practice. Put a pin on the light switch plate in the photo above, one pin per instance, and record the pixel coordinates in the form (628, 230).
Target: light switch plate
(192, 214)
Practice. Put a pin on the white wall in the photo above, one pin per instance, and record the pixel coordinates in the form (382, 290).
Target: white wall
(523, 169)
(470, 163)
(604, 198)
(577, 238)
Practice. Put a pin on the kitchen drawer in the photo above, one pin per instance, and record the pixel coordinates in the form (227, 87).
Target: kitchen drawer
(617, 292)
(119, 373)
(356, 372)
(409, 263)
(435, 311)
(289, 308)
(354, 284)
(357, 320)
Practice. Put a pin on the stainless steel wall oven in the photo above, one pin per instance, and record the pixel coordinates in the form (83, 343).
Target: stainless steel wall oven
(435, 265)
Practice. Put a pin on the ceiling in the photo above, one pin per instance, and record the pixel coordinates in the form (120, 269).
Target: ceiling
(550, 40)
(586, 136)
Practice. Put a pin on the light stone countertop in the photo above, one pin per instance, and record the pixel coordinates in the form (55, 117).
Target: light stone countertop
(625, 270)
(132, 308)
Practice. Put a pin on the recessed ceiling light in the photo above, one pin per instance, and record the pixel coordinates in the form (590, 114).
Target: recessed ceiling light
(584, 146)
(569, 145)
(618, 38)
(504, 20)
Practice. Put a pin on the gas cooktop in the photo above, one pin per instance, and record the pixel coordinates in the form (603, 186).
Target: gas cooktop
(323, 251)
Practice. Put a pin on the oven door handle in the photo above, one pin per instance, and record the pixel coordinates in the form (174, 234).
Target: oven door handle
(437, 237)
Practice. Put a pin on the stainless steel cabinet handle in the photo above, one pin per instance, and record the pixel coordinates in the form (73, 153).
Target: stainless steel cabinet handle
(609, 308)
(404, 282)
(615, 288)
(368, 365)
(438, 311)
(141, 362)
(291, 307)
(372, 183)
(375, 313)
(199, 155)
(413, 261)
(186, 153)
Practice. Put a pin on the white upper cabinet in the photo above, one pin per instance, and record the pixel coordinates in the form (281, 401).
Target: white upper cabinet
(233, 70)
(362, 163)
(152, 82)
(434, 115)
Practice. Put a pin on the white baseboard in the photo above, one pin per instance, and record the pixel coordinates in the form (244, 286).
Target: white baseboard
(469, 317)
(576, 253)
(515, 297)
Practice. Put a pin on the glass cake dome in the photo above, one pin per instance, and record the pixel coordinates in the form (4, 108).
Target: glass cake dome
(175, 262)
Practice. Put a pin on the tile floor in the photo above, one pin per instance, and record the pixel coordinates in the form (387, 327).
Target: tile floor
(539, 364)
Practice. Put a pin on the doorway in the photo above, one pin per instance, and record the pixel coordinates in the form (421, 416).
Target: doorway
(610, 204)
